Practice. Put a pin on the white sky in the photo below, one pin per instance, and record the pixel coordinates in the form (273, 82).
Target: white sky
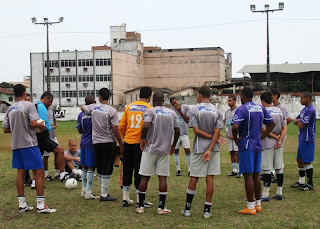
(292, 41)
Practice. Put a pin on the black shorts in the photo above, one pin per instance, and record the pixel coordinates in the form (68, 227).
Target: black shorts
(45, 143)
(105, 154)
(131, 162)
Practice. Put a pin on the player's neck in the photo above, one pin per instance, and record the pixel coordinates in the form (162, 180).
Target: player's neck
(308, 104)
(275, 103)
(205, 100)
(105, 102)
(20, 99)
(233, 107)
(144, 100)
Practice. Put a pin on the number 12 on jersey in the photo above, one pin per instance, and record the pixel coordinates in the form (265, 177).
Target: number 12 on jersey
(135, 120)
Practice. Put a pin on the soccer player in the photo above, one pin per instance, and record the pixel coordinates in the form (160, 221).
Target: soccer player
(20, 120)
(182, 111)
(105, 132)
(232, 146)
(246, 129)
(87, 158)
(72, 159)
(44, 141)
(206, 121)
(272, 148)
(130, 129)
(160, 125)
(306, 122)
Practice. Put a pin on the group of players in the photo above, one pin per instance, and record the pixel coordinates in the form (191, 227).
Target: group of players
(147, 136)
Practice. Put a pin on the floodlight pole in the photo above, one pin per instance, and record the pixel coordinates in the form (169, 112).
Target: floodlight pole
(267, 10)
(47, 23)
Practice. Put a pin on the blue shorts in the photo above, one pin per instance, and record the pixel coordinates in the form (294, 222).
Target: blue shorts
(87, 157)
(306, 151)
(27, 158)
(249, 161)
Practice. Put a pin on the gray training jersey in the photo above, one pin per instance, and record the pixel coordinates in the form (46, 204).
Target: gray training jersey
(207, 117)
(228, 117)
(185, 109)
(284, 110)
(279, 121)
(104, 117)
(161, 130)
(17, 119)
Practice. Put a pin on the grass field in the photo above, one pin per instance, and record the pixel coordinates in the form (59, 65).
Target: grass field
(297, 210)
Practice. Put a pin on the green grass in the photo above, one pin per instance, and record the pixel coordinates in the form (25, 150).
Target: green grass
(297, 210)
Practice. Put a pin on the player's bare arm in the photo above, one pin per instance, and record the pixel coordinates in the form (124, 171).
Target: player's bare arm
(214, 139)
(35, 124)
(268, 130)
(175, 140)
(296, 121)
(118, 137)
(184, 116)
(282, 136)
(288, 120)
(6, 130)
(235, 132)
(301, 125)
(144, 131)
(201, 133)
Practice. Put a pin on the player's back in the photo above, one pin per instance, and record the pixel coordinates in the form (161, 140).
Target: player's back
(132, 121)
(85, 125)
(278, 118)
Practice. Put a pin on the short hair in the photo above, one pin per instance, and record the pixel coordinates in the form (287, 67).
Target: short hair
(104, 93)
(266, 97)
(275, 92)
(89, 100)
(204, 91)
(72, 140)
(145, 92)
(247, 92)
(232, 97)
(46, 94)
(18, 90)
(28, 94)
(307, 94)
(158, 96)
(173, 98)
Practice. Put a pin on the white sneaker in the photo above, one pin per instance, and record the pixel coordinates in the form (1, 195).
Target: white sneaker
(46, 210)
(163, 211)
(25, 209)
(186, 213)
(148, 204)
(91, 196)
(207, 215)
(83, 193)
(140, 210)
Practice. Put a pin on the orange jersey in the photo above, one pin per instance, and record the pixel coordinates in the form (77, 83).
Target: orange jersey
(132, 121)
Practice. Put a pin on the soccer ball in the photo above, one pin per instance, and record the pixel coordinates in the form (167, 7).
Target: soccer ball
(38, 130)
(71, 183)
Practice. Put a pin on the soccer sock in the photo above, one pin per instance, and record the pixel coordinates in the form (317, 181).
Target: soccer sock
(234, 167)
(142, 197)
(137, 192)
(89, 180)
(258, 202)
(74, 171)
(56, 172)
(188, 157)
(280, 179)
(33, 183)
(177, 161)
(309, 172)
(190, 195)
(250, 205)
(84, 180)
(237, 167)
(46, 172)
(126, 190)
(266, 184)
(62, 174)
(22, 201)
(105, 180)
(99, 179)
(302, 176)
(207, 206)
(162, 199)
(40, 202)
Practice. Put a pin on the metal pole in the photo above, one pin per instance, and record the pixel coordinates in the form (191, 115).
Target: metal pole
(48, 60)
(268, 57)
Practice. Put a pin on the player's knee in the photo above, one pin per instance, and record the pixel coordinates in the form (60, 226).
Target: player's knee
(268, 171)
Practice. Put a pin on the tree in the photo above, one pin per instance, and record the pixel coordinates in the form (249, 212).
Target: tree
(6, 85)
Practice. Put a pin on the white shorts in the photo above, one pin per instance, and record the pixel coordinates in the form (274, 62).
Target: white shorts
(183, 141)
(198, 168)
(272, 159)
(154, 164)
(47, 154)
(232, 146)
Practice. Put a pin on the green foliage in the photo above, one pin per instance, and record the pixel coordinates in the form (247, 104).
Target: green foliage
(6, 85)
(297, 86)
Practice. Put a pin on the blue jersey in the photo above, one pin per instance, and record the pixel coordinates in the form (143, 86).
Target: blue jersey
(85, 126)
(250, 117)
(308, 117)
(43, 114)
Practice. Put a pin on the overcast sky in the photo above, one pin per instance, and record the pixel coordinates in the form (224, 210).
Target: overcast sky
(229, 24)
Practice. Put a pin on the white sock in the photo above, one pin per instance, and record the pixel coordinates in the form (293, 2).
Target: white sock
(250, 205)
(279, 191)
(40, 202)
(177, 161)
(137, 192)
(237, 167)
(22, 201)
(258, 202)
(188, 157)
(302, 180)
(74, 171)
(105, 180)
(62, 174)
(266, 191)
(56, 172)
(46, 172)
(234, 167)
(33, 183)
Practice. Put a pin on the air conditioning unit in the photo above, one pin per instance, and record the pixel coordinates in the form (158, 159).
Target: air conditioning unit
(85, 69)
(68, 69)
(85, 84)
(69, 100)
(67, 85)
(51, 69)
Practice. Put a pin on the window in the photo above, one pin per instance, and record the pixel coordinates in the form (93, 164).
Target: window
(85, 78)
(115, 41)
(52, 63)
(66, 79)
(103, 62)
(66, 94)
(10, 99)
(103, 78)
(85, 93)
(85, 62)
(68, 63)
(55, 94)
(53, 79)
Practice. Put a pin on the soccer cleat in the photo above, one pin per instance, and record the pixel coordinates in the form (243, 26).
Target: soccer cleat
(91, 196)
(261, 177)
(274, 180)
(258, 208)
(265, 199)
(126, 203)
(148, 204)
(296, 185)
(139, 210)
(46, 210)
(163, 211)
(239, 175)
(27, 182)
(207, 215)
(277, 197)
(25, 209)
(188, 173)
(57, 177)
(179, 173)
(186, 213)
(232, 174)
(83, 193)
(247, 211)
(48, 178)
(306, 187)
(63, 179)
(107, 198)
